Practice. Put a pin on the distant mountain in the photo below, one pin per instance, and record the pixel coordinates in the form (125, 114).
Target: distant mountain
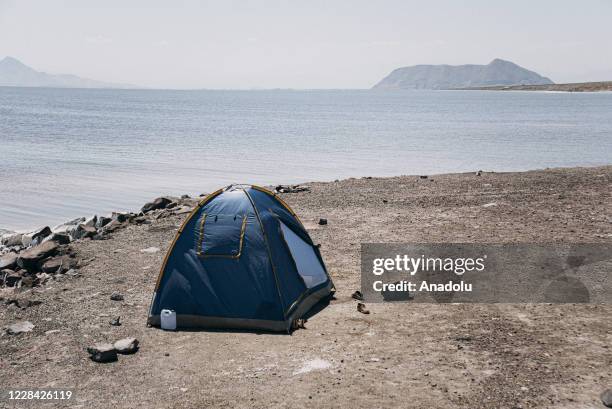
(497, 72)
(14, 73)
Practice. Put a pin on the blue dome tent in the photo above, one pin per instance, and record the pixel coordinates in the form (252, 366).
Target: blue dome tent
(241, 260)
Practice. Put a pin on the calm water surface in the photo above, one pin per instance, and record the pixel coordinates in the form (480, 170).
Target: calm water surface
(66, 153)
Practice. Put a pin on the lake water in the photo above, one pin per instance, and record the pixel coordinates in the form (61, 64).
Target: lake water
(66, 153)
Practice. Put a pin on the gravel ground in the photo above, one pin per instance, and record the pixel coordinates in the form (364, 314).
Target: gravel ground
(400, 355)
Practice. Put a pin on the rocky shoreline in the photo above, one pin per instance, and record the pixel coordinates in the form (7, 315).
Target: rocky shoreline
(33, 258)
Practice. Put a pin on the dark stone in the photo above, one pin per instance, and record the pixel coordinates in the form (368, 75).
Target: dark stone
(113, 225)
(126, 345)
(291, 189)
(59, 264)
(115, 322)
(120, 217)
(141, 220)
(423, 177)
(9, 261)
(322, 222)
(184, 196)
(357, 295)
(116, 296)
(159, 203)
(102, 353)
(31, 258)
(35, 237)
(362, 308)
(77, 232)
(59, 238)
(11, 278)
(385, 201)
(103, 221)
(479, 173)
(606, 398)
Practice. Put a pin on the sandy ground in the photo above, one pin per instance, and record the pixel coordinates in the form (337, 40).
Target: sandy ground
(400, 355)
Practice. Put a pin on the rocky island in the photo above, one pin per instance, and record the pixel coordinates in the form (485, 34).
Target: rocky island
(497, 72)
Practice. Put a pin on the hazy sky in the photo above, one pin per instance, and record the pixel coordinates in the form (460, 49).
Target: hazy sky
(302, 44)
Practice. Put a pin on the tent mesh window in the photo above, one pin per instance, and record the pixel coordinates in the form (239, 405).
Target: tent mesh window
(306, 261)
(221, 235)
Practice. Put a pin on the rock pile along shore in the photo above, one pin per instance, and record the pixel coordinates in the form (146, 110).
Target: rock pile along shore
(33, 258)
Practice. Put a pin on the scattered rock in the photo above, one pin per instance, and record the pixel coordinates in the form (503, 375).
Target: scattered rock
(150, 250)
(120, 217)
(479, 173)
(19, 327)
(322, 222)
(115, 322)
(59, 264)
(291, 189)
(102, 353)
(112, 226)
(91, 222)
(362, 308)
(8, 261)
(423, 177)
(88, 231)
(141, 220)
(159, 203)
(10, 277)
(59, 238)
(385, 201)
(31, 258)
(126, 345)
(606, 398)
(357, 295)
(66, 229)
(116, 296)
(35, 237)
(11, 240)
(102, 221)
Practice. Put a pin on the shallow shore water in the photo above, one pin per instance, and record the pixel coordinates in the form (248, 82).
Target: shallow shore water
(67, 152)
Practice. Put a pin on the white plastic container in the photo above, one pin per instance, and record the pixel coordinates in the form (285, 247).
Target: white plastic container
(168, 320)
